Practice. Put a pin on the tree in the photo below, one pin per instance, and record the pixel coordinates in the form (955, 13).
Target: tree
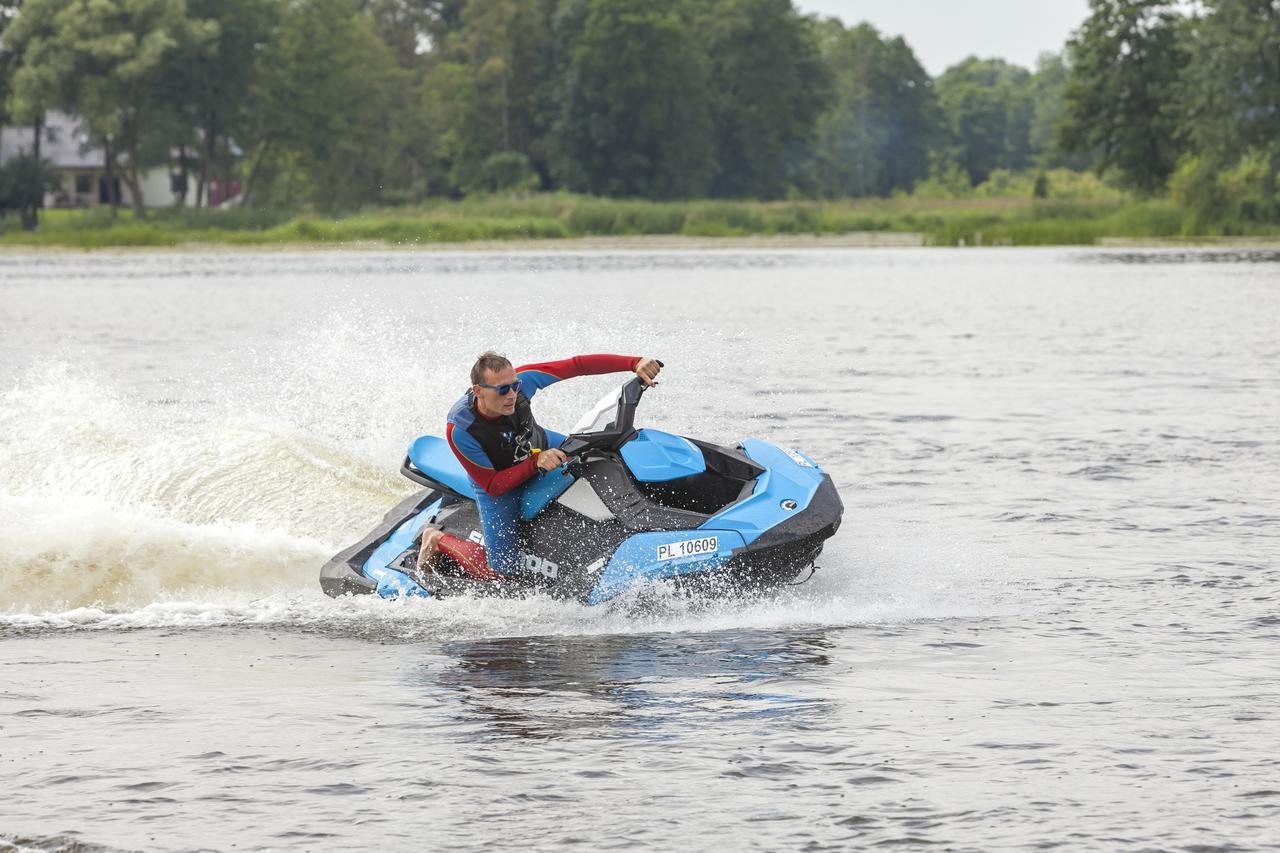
(8, 59)
(1049, 110)
(770, 84)
(634, 106)
(876, 135)
(489, 35)
(26, 178)
(430, 22)
(1122, 93)
(322, 113)
(408, 27)
(988, 108)
(1232, 87)
(103, 61)
(40, 90)
(1232, 96)
(206, 79)
(23, 182)
(450, 106)
(482, 100)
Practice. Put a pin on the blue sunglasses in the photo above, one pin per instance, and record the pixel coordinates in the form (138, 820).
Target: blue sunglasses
(503, 390)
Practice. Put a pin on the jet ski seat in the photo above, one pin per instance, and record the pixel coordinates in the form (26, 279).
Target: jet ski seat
(432, 460)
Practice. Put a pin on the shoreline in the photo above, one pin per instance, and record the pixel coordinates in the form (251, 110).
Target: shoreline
(641, 243)
(613, 243)
(568, 223)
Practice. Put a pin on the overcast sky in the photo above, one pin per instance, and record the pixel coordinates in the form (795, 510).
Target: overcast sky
(943, 32)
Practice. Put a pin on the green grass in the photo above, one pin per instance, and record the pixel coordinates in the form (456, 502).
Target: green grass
(972, 221)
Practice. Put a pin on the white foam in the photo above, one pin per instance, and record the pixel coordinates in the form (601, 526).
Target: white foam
(65, 434)
(72, 552)
(897, 585)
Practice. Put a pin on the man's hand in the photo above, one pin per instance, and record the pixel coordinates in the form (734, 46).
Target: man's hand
(647, 369)
(549, 460)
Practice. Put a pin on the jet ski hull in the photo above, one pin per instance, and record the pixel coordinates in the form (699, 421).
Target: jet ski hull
(633, 507)
(608, 532)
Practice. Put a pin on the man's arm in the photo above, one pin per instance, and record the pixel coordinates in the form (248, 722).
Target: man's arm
(480, 469)
(537, 376)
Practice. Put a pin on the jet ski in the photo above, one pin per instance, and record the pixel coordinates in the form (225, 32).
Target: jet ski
(631, 507)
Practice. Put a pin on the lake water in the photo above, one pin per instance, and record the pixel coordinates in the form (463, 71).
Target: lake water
(1051, 618)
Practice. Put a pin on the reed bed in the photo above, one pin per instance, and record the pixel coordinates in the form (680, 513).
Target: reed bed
(977, 221)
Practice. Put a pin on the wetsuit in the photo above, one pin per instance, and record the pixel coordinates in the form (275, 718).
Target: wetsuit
(497, 453)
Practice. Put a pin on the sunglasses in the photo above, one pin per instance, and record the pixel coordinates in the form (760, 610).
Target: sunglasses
(503, 390)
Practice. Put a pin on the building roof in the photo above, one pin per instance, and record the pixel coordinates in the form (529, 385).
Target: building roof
(65, 144)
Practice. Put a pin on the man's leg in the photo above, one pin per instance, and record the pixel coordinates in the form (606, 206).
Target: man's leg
(500, 518)
(431, 537)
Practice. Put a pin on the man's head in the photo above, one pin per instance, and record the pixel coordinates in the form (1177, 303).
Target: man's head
(491, 374)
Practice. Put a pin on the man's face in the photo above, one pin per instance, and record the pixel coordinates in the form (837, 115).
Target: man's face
(492, 403)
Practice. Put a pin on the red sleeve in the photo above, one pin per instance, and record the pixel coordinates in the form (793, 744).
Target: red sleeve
(493, 482)
(501, 482)
(584, 365)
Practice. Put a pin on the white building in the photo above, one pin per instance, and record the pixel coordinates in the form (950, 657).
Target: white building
(65, 145)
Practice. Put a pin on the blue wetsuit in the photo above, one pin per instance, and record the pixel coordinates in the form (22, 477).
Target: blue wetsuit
(497, 453)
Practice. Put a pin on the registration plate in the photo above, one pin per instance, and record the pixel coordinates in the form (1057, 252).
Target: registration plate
(797, 458)
(688, 548)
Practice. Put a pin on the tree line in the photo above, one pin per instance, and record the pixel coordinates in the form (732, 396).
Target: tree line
(1185, 102)
(335, 104)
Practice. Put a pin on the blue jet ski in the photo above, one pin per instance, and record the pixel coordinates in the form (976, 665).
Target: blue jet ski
(632, 506)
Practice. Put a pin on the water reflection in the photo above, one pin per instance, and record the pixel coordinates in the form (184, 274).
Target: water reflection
(649, 686)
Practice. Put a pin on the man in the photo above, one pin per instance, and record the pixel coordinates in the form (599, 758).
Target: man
(501, 446)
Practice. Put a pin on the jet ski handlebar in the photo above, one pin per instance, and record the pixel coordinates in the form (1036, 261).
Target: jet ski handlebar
(616, 433)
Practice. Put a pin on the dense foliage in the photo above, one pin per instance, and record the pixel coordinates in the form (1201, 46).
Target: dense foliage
(1123, 89)
(338, 104)
(1190, 104)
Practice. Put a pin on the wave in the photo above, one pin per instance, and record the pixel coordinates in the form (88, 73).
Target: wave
(67, 553)
(65, 434)
(123, 511)
(118, 502)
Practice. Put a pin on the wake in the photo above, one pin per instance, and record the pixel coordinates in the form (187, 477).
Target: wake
(120, 514)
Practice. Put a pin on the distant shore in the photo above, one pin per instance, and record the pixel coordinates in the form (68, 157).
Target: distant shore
(615, 243)
(555, 222)
(637, 243)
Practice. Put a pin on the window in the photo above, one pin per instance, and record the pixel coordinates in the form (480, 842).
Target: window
(50, 133)
(84, 184)
(178, 184)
